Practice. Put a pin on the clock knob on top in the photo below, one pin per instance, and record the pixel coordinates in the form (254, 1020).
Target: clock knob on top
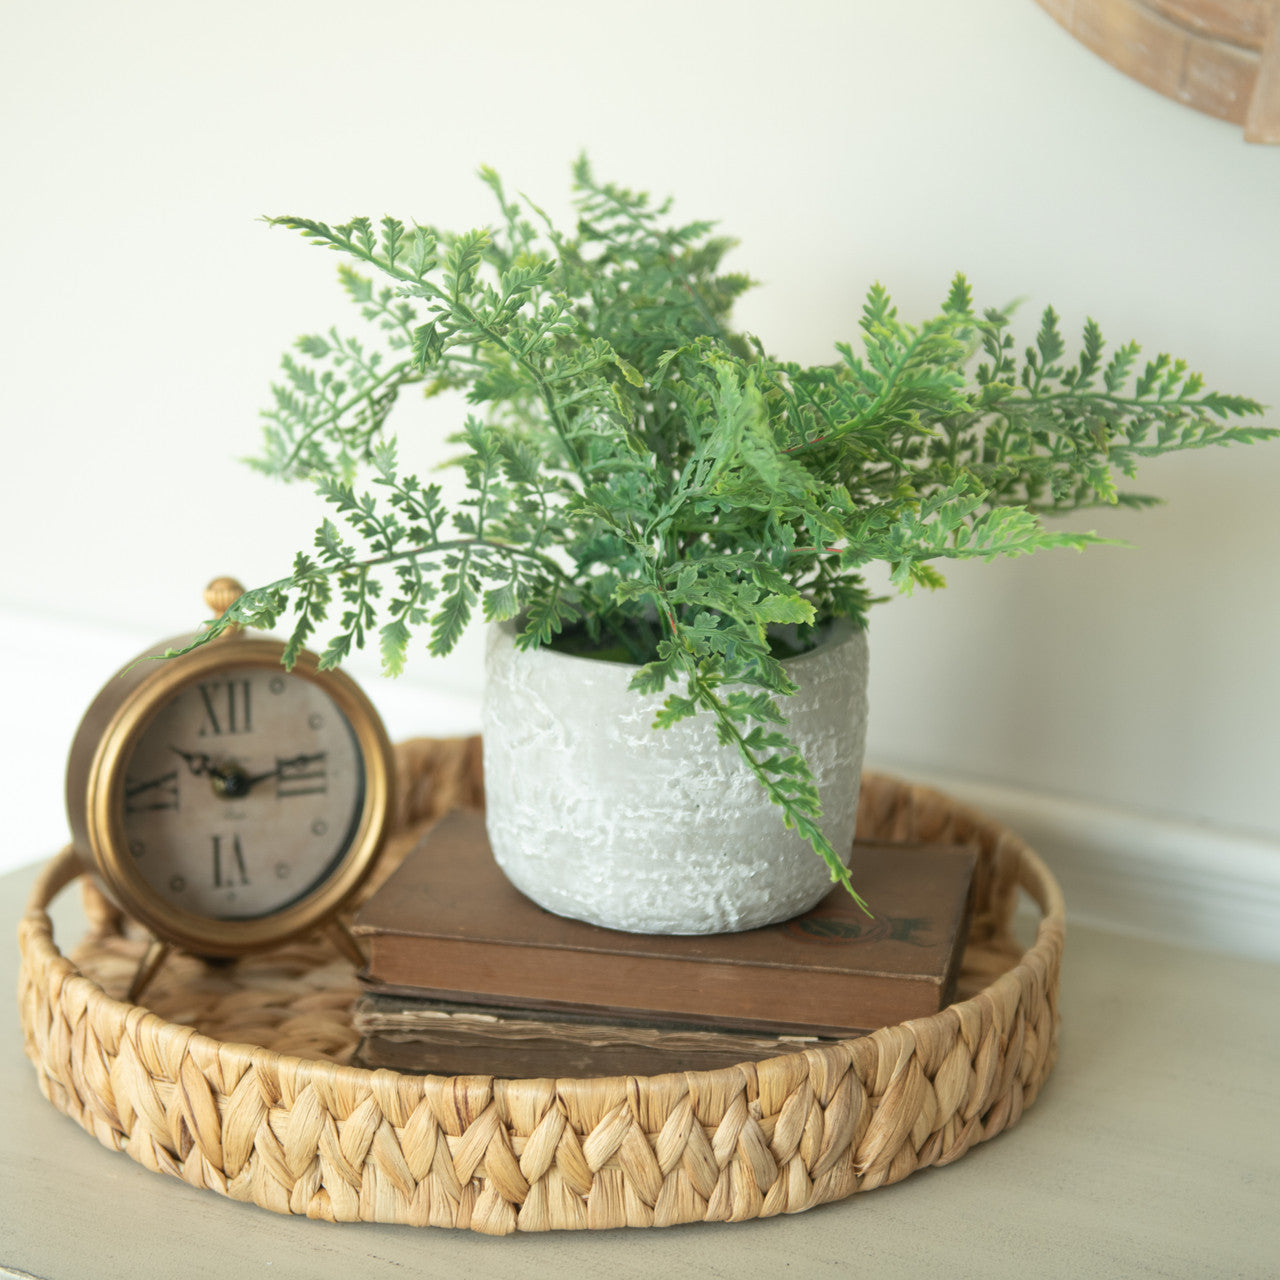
(221, 594)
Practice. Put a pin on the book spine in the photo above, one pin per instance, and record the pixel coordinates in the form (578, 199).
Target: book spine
(732, 995)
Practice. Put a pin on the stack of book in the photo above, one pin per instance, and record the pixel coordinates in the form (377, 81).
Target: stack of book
(466, 975)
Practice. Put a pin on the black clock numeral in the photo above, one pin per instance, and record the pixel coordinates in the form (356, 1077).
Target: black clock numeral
(226, 708)
(157, 793)
(232, 871)
(304, 776)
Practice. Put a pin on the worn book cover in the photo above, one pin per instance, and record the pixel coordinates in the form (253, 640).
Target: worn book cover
(413, 1033)
(449, 926)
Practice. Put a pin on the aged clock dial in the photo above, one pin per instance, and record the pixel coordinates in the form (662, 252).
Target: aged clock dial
(242, 793)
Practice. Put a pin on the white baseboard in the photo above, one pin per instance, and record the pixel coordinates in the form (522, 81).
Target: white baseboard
(1128, 872)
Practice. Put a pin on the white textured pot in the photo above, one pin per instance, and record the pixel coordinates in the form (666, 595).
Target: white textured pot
(596, 815)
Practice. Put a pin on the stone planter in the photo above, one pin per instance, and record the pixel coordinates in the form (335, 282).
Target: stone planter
(596, 815)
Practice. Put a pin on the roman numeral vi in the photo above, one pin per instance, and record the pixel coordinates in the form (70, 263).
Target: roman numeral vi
(230, 870)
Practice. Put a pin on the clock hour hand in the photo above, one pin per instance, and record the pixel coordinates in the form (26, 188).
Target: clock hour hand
(201, 765)
(229, 779)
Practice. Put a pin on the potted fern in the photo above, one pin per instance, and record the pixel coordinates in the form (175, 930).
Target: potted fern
(660, 510)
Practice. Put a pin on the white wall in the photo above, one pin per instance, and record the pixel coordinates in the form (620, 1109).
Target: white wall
(145, 310)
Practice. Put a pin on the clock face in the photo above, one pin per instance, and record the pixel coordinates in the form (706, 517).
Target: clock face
(242, 793)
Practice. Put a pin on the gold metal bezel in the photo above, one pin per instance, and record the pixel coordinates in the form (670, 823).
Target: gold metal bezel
(102, 824)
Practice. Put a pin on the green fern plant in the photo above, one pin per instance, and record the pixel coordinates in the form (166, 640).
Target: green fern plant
(645, 481)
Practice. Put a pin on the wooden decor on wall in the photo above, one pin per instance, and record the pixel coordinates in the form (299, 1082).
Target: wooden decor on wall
(1221, 57)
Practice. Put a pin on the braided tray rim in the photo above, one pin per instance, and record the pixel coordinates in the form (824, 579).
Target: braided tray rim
(303, 1136)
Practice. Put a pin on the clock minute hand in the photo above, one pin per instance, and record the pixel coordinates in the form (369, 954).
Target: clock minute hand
(293, 762)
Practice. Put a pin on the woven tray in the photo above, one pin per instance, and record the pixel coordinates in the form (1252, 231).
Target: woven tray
(235, 1078)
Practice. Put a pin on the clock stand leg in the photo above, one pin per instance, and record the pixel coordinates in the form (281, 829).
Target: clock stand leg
(154, 957)
(344, 940)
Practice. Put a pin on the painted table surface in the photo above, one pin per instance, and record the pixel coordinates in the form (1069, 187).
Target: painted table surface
(1153, 1151)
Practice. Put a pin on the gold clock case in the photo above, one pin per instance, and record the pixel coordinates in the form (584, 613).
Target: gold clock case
(95, 793)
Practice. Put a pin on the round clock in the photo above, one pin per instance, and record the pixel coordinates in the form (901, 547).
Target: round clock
(225, 803)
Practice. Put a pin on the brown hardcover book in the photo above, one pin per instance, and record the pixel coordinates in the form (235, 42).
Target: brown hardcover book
(449, 926)
(411, 1033)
